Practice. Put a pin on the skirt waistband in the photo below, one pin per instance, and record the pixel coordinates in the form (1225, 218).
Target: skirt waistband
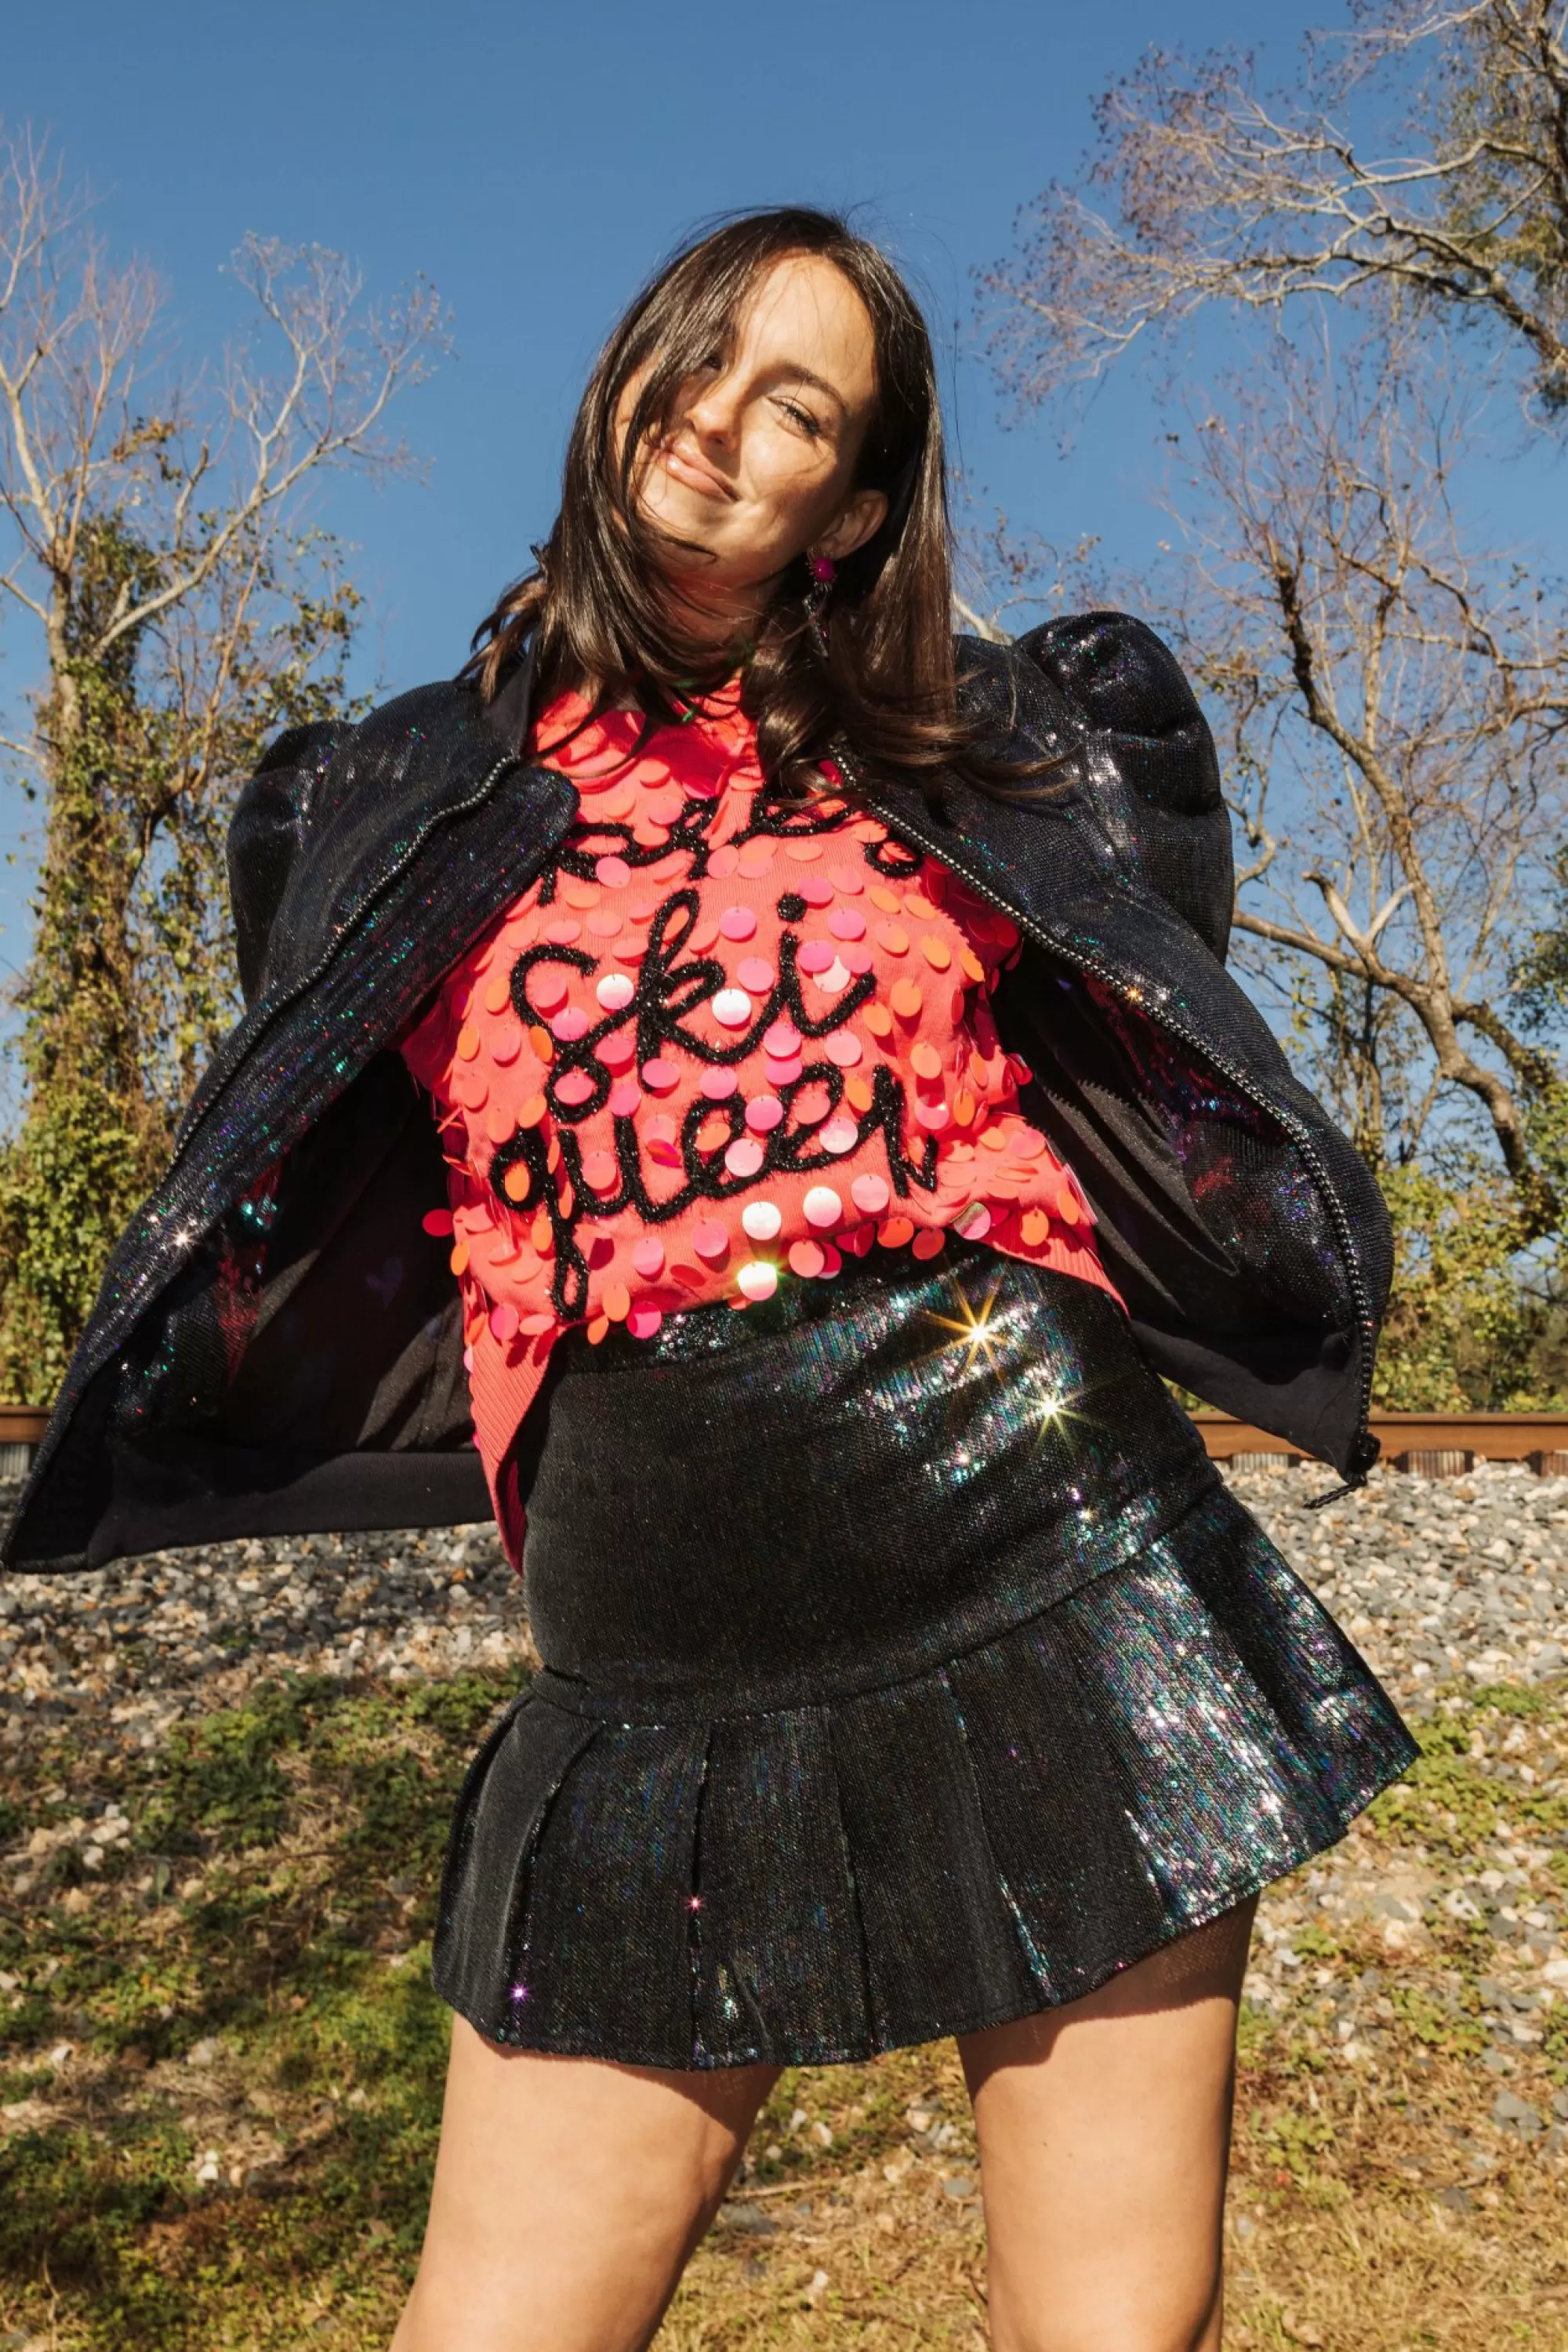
(771, 1510)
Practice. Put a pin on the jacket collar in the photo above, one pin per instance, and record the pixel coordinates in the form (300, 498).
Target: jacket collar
(510, 712)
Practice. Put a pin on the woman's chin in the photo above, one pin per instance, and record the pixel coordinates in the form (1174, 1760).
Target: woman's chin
(670, 506)
(715, 598)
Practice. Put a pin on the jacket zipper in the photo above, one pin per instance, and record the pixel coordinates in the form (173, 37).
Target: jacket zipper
(303, 987)
(476, 799)
(1360, 1299)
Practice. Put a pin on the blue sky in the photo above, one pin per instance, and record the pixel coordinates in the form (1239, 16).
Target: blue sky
(533, 162)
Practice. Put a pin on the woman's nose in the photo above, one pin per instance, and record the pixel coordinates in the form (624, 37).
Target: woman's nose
(714, 410)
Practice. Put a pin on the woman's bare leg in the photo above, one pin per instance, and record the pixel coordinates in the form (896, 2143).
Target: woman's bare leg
(569, 2194)
(1104, 2132)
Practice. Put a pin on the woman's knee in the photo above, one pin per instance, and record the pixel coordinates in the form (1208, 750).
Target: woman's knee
(1192, 2325)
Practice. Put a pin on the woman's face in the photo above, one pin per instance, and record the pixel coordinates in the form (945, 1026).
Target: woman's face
(757, 463)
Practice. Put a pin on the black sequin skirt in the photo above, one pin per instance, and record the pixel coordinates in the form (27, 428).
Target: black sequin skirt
(907, 1669)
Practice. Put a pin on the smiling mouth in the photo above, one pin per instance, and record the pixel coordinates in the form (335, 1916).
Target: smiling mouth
(695, 473)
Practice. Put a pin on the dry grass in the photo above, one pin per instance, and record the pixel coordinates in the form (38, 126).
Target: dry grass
(219, 2064)
(1355, 2252)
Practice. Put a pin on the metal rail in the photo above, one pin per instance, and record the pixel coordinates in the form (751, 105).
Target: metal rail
(1433, 1445)
(21, 1428)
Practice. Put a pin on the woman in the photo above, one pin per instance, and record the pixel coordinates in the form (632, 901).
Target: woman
(841, 1116)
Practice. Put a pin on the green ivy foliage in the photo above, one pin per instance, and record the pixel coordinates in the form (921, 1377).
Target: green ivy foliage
(1478, 1323)
(131, 979)
(68, 1183)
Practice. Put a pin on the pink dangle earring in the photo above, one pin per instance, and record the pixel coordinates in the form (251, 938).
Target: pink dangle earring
(821, 573)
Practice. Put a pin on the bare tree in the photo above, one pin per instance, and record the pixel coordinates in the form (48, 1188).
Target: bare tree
(1421, 159)
(1009, 581)
(1394, 700)
(184, 607)
(1397, 710)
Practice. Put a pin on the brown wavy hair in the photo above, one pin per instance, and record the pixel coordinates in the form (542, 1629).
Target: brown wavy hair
(875, 668)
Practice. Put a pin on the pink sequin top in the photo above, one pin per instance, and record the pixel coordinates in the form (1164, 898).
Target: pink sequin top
(720, 1042)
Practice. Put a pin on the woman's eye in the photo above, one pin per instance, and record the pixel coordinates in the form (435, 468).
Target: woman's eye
(801, 416)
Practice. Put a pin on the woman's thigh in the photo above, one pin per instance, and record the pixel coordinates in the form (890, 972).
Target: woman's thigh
(568, 2194)
(1104, 2131)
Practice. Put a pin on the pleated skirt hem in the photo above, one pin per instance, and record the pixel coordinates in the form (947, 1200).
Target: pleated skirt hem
(800, 2053)
(991, 1838)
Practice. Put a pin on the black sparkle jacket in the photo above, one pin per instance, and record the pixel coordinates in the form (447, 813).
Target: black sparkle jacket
(278, 1345)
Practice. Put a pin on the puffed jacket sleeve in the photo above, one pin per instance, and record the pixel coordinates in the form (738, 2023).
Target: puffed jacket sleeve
(266, 835)
(1149, 760)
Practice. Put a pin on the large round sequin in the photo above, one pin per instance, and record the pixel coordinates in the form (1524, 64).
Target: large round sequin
(822, 1206)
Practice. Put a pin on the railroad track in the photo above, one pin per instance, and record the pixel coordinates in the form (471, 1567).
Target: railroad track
(1432, 1444)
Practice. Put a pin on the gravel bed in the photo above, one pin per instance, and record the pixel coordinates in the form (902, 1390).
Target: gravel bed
(1435, 1579)
(148, 1640)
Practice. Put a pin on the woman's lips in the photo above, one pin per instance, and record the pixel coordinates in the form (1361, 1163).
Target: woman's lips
(694, 472)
